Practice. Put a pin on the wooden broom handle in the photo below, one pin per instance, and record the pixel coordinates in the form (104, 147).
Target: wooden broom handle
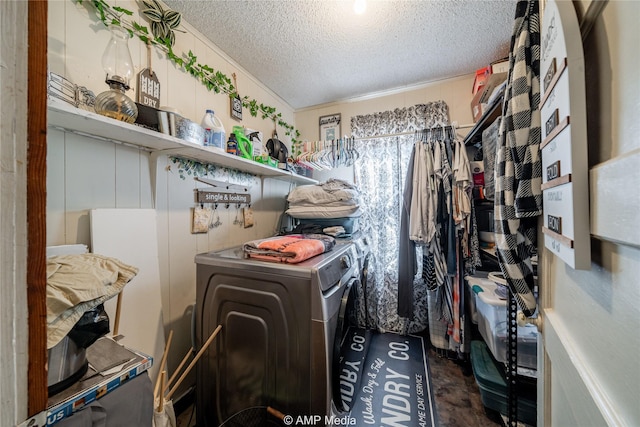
(279, 415)
(116, 322)
(162, 362)
(177, 371)
(193, 362)
(163, 375)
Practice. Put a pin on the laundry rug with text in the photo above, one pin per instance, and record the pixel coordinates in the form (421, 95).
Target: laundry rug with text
(384, 380)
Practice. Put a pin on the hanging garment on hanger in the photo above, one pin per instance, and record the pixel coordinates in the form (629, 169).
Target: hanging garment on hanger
(445, 287)
(518, 194)
(447, 228)
(472, 258)
(462, 184)
(422, 213)
(407, 263)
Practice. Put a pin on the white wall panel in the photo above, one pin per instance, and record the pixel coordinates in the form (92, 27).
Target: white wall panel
(84, 43)
(205, 99)
(14, 341)
(593, 364)
(56, 35)
(89, 183)
(56, 224)
(182, 247)
(127, 177)
(614, 211)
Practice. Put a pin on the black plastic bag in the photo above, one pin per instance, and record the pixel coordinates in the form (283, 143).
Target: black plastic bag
(92, 325)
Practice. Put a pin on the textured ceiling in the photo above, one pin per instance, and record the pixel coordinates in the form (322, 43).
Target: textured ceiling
(315, 52)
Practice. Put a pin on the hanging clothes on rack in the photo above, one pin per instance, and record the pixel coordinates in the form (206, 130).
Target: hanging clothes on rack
(440, 222)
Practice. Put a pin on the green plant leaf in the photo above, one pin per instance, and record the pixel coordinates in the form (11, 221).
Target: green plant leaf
(149, 4)
(153, 4)
(139, 27)
(122, 10)
(172, 18)
(153, 15)
(101, 10)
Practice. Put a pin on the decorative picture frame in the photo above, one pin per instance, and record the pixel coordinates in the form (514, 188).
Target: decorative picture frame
(330, 127)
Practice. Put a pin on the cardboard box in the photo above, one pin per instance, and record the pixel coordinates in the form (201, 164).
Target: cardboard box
(501, 66)
(481, 99)
(477, 108)
(493, 82)
(481, 78)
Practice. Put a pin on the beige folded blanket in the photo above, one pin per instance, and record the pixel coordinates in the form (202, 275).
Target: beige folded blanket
(77, 283)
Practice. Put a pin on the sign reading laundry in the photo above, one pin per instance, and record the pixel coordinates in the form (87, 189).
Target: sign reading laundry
(220, 197)
(394, 388)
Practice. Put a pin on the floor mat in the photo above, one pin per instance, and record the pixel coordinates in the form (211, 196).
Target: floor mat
(385, 381)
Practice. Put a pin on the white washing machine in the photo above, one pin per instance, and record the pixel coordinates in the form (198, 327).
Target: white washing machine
(278, 338)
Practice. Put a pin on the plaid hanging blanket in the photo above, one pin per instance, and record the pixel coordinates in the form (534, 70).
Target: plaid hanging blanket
(518, 193)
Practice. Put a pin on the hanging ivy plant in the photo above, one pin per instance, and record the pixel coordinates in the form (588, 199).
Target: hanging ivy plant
(163, 24)
(191, 168)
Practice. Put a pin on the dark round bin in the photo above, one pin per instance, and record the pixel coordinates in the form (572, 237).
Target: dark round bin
(257, 416)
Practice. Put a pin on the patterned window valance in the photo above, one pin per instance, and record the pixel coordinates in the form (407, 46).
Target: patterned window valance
(406, 119)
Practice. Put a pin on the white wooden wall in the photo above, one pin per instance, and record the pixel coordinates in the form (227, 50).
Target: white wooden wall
(592, 317)
(85, 173)
(13, 213)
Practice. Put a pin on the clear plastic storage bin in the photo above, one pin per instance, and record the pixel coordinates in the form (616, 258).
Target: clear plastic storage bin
(492, 324)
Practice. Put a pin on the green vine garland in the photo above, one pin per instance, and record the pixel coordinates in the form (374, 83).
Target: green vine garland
(209, 77)
(188, 168)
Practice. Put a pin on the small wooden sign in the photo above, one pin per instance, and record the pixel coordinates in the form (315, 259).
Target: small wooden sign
(548, 77)
(220, 197)
(554, 223)
(148, 89)
(236, 108)
(551, 122)
(553, 170)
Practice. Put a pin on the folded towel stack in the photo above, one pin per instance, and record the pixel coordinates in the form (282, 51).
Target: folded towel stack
(290, 249)
(330, 204)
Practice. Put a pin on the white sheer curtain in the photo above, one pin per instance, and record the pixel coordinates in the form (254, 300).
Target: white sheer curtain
(380, 174)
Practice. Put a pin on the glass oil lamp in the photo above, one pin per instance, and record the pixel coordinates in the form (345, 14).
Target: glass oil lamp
(118, 65)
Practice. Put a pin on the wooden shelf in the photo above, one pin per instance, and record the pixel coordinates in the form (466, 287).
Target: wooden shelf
(70, 119)
(494, 110)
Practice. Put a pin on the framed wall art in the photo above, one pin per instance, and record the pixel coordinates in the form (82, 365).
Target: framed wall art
(330, 127)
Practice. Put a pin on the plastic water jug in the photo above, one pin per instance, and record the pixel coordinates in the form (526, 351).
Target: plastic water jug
(214, 135)
(245, 148)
